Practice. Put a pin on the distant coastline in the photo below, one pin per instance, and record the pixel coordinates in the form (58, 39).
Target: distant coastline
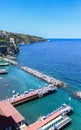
(9, 41)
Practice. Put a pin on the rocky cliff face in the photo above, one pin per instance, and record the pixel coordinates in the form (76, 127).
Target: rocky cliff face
(9, 41)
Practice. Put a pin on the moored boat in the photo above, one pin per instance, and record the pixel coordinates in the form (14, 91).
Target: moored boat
(3, 71)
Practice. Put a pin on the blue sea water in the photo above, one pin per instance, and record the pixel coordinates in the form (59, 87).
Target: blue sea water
(60, 58)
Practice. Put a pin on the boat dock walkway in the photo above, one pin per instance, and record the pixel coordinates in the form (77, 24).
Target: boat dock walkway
(53, 121)
(31, 95)
(42, 76)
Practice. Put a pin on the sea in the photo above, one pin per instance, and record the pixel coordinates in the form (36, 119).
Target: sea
(60, 58)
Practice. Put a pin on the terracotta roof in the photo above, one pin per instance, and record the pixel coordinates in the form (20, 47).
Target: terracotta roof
(8, 115)
(6, 109)
(39, 124)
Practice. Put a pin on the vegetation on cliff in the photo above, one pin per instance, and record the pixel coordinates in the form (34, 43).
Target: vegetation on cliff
(19, 38)
(9, 41)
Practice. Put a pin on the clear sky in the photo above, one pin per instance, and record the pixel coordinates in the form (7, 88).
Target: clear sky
(47, 18)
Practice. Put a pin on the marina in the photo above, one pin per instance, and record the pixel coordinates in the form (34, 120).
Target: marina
(37, 74)
(31, 95)
(56, 65)
(56, 120)
(53, 121)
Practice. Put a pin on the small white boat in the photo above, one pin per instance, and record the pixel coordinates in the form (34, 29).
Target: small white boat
(13, 91)
(26, 92)
(3, 71)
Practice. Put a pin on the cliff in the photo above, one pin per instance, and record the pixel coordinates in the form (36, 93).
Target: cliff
(9, 41)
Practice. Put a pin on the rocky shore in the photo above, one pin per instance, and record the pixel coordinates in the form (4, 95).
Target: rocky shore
(9, 41)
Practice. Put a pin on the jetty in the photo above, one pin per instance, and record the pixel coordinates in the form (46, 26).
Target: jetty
(38, 74)
(53, 121)
(31, 95)
(3, 71)
(43, 76)
(11, 61)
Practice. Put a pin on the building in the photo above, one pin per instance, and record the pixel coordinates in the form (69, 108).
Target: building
(12, 40)
(10, 118)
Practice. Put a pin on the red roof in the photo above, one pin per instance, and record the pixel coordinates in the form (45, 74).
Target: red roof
(9, 115)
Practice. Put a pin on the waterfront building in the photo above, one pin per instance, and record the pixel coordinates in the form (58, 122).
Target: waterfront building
(10, 118)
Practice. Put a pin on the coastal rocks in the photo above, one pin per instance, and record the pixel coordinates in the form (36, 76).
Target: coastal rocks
(9, 42)
(77, 94)
(43, 76)
(8, 48)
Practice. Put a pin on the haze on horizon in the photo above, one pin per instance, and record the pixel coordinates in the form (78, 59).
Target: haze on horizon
(46, 18)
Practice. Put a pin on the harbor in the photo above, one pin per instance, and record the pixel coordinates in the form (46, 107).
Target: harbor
(37, 73)
(53, 121)
(56, 120)
(31, 95)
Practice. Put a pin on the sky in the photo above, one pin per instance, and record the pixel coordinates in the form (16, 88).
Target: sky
(46, 18)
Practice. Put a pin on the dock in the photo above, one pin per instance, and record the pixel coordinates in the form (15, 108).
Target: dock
(53, 121)
(56, 120)
(43, 76)
(31, 95)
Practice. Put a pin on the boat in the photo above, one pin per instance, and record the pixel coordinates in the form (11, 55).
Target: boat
(3, 71)
(4, 64)
(13, 91)
(30, 89)
(26, 92)
(7, 85)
